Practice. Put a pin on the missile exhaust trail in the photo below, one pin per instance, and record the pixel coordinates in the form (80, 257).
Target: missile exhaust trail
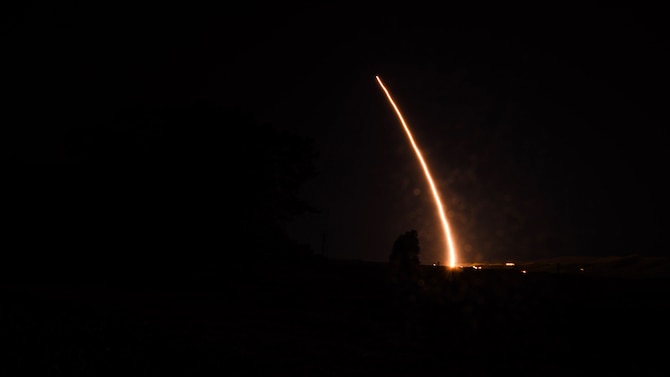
(438, 202)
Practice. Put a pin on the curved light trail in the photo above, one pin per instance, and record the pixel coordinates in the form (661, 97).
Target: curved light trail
(438, 202)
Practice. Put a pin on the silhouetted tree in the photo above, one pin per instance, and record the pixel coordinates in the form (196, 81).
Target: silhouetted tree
(172, 186)
(404, 258)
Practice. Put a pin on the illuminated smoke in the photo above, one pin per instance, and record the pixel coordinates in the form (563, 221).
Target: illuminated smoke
(451, 250)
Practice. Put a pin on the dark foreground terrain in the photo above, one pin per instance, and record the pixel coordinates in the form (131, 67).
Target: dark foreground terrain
(336, 318)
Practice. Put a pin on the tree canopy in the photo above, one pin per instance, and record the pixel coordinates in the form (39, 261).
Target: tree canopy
(175, 184)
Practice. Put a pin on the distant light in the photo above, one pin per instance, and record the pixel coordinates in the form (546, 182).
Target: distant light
(509, 264)
(523, 271)
(581, 269)
(434, 264)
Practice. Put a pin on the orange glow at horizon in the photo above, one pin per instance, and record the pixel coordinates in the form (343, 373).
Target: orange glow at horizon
(438, 202)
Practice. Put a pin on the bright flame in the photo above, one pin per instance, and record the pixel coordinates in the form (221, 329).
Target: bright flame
(443, 217)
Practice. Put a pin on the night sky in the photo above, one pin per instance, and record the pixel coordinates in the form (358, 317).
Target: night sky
(544, 128)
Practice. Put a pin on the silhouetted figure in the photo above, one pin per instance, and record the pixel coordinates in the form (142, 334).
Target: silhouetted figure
(404, 257)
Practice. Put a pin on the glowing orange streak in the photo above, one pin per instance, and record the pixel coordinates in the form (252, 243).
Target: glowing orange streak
(445, 224)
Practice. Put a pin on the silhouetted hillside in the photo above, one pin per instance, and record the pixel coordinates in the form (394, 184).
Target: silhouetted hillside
(343, 318)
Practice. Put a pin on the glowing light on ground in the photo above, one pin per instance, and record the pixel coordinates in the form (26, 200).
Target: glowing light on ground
(445, 224)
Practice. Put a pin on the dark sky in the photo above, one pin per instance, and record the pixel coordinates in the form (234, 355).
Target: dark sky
(543, 127)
